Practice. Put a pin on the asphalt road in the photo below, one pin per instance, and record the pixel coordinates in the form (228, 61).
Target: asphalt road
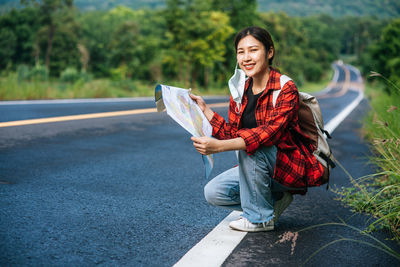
(128, 190)
(123, 191)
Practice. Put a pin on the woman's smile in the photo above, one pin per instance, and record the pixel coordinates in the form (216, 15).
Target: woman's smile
(248, 66)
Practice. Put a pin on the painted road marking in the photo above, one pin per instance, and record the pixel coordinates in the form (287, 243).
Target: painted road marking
(344, 86)
(333, 123)
(212, 249)
(333, 82)
(77, 117)
(90, 116)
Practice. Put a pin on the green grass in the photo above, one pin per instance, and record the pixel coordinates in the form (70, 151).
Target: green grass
(378, 194)
(312, 87)
(372, 241)
(12, 88)
(349, 59)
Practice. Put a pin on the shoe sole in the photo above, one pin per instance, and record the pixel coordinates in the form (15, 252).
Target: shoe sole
(264, 229)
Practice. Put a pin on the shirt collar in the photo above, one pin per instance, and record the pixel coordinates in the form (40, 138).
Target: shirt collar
(272, 84)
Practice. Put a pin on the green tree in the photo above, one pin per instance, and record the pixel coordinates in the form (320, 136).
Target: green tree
(125, 49)
(357, 33)
(8, 43)
(96, 35)
(385, 53)
(65, 52)
(54, 15)
(242, 13)
(18, 28)
(322, 46)
(304, 47)
(196, 39)
(136, 42)
(289, 43)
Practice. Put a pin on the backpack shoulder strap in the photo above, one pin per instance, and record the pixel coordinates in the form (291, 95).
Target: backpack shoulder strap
(283, 80)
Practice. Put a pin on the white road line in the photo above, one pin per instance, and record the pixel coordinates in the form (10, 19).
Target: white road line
(333, 123)
(214, 248)
(334, 81)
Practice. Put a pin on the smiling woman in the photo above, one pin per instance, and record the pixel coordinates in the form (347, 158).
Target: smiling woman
(269, 141)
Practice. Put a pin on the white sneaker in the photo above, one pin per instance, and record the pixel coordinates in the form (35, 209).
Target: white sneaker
(282, 204)
(242, 224)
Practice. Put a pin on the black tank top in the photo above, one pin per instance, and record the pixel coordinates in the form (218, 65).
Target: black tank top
(249, 115)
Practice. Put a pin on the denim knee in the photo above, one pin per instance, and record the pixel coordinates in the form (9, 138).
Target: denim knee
(210, 194)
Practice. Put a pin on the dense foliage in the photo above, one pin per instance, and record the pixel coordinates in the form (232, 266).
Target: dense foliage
(335, 8)
(384, 56)
(188, 43)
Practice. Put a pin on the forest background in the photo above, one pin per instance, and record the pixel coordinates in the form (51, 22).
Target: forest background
(74, 49)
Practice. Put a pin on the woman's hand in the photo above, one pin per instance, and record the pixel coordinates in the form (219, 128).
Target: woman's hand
(206, 145)
(203, 106)
(200, 101)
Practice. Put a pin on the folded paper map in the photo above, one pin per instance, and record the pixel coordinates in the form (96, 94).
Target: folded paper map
(186, 113)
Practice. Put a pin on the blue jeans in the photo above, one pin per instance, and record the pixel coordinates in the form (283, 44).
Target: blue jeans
(247, 187)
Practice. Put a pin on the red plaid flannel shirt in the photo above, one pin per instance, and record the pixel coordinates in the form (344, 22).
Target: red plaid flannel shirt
(295, 164)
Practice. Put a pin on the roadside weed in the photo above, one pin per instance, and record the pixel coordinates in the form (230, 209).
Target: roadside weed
(378, 194)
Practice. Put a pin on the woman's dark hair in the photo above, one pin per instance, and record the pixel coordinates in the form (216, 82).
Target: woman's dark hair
(261, 35)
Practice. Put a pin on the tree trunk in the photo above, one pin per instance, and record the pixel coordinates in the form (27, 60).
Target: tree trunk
(206, 77)
(186, 74)
(49, 44)
(195, 76)
(180, 74)
(36, 51)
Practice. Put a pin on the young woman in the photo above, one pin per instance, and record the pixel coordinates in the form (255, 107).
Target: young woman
(274, 156)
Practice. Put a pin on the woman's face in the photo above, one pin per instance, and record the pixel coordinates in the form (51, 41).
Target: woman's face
(251, 56)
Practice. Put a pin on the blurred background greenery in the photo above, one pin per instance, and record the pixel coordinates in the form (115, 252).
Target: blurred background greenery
(115, 48)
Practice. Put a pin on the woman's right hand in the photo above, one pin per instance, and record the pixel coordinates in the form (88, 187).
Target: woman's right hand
(203, 106)
(200, 101)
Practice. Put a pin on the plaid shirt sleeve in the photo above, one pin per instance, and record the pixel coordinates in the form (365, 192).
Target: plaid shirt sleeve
(273, 122)
(222, 129)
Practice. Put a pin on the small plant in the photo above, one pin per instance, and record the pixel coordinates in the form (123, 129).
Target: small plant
(120, 73)
(374, 242)
(70, 75)
(391, 84)
(39, 73)
(36, 73)
(23, 72)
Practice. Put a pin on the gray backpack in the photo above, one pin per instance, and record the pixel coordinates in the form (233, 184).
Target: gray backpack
(312, 124)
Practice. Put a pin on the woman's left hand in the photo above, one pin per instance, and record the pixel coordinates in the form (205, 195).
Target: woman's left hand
(206, 145)
(203, 106)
